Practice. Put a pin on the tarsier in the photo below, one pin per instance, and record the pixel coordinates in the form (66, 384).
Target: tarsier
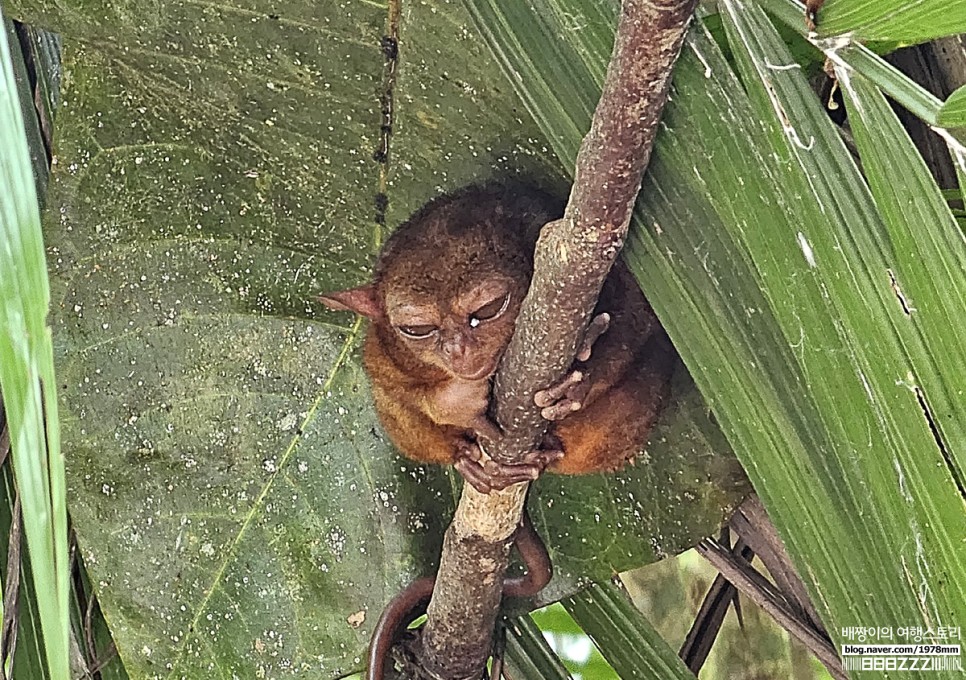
(445, 294)
(442, 304)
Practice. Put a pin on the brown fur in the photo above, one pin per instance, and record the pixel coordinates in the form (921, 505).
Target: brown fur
(432, 264)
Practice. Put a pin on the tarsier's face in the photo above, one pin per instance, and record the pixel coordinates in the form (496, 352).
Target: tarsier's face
(465, 334)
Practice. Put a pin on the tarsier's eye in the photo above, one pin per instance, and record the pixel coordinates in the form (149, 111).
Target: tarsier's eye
(417, 332)
(490, 310)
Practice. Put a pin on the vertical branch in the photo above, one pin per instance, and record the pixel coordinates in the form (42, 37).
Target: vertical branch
(575, 254)
(572, 259)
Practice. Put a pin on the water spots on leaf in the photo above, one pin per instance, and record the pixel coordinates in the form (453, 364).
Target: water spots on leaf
(336, 541)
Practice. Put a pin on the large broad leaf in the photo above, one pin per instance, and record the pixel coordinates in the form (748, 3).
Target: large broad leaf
(819, 318)
(239, 510)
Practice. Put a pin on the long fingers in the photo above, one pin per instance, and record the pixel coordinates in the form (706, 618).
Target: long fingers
(597, 327)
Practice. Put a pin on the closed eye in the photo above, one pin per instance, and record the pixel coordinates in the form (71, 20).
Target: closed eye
(490, 310)
(417, 332)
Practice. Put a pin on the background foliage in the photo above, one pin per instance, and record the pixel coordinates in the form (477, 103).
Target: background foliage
(30, 427)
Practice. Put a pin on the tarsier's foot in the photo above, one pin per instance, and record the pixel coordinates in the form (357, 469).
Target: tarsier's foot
(486, 475)
(811, 12)
(563, 398)
(567, 395)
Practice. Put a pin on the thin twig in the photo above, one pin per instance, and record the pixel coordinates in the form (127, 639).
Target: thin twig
(753, 585)
(4, 437)
(752, 523)
(11, 590)
(707, 624)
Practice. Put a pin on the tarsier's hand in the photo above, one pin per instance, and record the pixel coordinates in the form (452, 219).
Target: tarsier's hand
(556, 402)
(568, 394)
(485, 474)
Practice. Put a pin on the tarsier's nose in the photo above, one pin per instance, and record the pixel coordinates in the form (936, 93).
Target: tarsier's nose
(464, 358)
(456, 348)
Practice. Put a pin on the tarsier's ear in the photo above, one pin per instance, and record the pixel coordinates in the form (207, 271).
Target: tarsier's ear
(361, 300)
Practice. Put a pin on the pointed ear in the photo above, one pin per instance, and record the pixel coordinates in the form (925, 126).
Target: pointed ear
(361, 300)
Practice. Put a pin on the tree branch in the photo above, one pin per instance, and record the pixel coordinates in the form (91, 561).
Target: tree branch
(573, 257)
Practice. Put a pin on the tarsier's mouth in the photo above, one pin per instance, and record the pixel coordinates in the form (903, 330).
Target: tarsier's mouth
(486, 371)
(483, 372)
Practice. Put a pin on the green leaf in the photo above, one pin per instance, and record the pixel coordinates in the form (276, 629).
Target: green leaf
(92, 633)
(528, 655)
(887, 20)
(565, 640)
(893, 82)
(625, 638)
(903, 482)
(953, 111)
(26, 366)
(237, 505)
(929, 260)
(35, 144)
(768, 260)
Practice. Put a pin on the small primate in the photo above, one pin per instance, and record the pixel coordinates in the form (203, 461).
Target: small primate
(442, 304)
